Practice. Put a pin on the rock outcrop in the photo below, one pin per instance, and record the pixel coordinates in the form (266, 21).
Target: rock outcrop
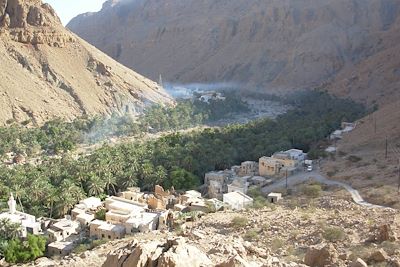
(46, 71)
(321, 255)
(170, 253)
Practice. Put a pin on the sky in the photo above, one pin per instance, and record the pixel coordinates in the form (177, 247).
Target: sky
(66, 10)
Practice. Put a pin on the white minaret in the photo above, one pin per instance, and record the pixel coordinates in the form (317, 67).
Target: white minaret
(12, 204)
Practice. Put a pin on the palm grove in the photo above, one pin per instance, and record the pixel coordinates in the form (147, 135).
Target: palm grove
(180, 160)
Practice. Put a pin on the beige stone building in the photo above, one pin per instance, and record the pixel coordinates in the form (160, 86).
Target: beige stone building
(60, 248)
(248, 168)
(103, 230)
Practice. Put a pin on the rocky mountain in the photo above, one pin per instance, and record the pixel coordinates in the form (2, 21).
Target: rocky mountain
(349, 47)
(46, 71)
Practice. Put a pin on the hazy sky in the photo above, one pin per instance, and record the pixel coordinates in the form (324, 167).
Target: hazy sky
(66, 10)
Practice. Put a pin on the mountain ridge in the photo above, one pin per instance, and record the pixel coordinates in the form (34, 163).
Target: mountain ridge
(50, 72)
(277, 45)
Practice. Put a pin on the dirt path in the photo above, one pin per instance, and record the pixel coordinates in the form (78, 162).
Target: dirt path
(317, 176)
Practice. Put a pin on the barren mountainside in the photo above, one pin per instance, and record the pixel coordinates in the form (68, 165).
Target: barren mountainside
(46, 71)
(348, 47)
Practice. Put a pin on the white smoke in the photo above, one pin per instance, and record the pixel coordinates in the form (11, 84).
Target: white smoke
(177, 90)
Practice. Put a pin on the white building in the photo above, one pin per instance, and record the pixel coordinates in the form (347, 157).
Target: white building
(144, 222)
(237, 200)
(27, 221)
(63, 229)
(297, 154)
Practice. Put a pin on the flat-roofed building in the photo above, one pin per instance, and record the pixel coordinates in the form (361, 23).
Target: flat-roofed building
(248, 168)
(237, 200)
(121, 204)
(60, 248)
(144, 222)
(62, 229)
(104, 230)
(28, 222)
(85, 218)
(239, 184)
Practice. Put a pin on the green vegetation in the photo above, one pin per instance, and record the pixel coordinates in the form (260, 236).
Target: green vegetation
(333, 233)
(25, 251)
(251, 235)
(260, 202)
(89, 244)
(57, 137)
(180, 160)
(239, 222)
(101, 214)
(312, 190)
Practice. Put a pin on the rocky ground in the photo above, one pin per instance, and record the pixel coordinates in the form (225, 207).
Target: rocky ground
(300, 231)
(361, 159)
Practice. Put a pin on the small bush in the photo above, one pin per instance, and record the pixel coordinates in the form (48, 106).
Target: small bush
(81, 248)
(313, 190)
(259, 202)
(239, 222)
(251, 235)
(333, 234)
(354, 159)
(276, 244)
(254, 192)
(101, 215)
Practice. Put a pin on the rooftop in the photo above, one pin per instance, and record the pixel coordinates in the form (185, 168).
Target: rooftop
(239, 196)
(62, 245)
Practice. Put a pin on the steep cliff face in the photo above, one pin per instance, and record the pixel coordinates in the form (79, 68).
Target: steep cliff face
(277, 44)
(46, 71)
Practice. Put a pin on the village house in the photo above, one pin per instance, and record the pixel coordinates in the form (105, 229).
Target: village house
(260, 181)
(269, 166)
(85, 207)
(85, 218)
(144, 222)
(274, 197)
(237, 200)
(217, 182)
(62, 229)
(282, 163)
(122, 204)
(28, 222)
(132, 193)
(248, 168)
(60, 248)
(239, 184)
(104, 230)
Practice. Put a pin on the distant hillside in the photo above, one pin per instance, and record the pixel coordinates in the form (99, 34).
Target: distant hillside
(46, 71)
(350, 47)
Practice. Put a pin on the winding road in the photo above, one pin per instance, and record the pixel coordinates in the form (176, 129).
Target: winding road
(317, 176)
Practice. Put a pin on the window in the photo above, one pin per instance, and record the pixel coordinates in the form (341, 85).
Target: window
(109, 237)
(102, 235)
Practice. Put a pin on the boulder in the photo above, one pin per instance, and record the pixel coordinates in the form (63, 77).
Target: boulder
(378, 256)
(173, 252)
(142, 254)
(233, 262)
(182, 256)
(321, 255)
(382, 233)
(358, 263)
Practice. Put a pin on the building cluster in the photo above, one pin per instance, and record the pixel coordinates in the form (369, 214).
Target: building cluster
(133, 211)
(232, 185)
(127, 213)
